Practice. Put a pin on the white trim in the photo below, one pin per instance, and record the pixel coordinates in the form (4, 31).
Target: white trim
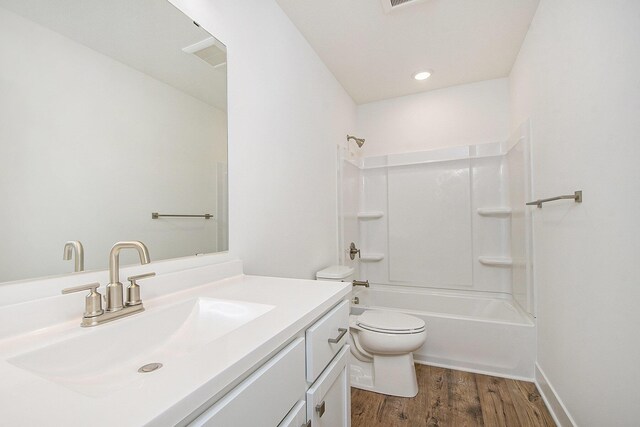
(551, 399)
(447, 154)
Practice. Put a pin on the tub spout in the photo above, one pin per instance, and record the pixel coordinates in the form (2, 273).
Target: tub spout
(364, 283)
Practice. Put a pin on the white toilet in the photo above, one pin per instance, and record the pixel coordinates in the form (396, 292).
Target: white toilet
(382, 345)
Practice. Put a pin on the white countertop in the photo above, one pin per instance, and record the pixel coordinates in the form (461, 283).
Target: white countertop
(173, 392)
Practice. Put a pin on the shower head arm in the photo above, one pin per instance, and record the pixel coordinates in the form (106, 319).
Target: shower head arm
(359, 141)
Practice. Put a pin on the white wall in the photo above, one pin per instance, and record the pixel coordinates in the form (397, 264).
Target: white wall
(576, 77)
(460, 115)
(287, 113)
(78, 130)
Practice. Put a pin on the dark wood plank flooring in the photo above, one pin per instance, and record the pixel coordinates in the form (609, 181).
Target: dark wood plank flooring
(449, 398)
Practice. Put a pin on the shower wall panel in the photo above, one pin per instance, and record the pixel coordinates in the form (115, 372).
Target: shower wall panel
(442, 219)
(490, 233)
(349, 205)
(430, 234)
(374, 232)
(519, 164)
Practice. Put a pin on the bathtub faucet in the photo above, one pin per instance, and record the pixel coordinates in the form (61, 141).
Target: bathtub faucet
(364, 283)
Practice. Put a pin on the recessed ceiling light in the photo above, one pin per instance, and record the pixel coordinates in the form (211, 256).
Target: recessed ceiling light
(422, 75)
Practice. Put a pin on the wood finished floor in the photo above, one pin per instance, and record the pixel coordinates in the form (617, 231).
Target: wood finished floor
(449, 398)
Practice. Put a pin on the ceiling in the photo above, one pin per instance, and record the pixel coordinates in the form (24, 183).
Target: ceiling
(147, 35)
(374, 55)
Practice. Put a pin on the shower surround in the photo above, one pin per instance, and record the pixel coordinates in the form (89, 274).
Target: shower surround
(449, 222)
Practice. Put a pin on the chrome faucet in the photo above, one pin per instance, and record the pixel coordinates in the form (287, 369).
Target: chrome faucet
(69, 248)
(116, 307)
(114, 295)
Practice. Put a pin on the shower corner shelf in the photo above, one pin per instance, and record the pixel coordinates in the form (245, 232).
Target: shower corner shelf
(370, 215)
(495, 261)
(499, 212)
(371, 257)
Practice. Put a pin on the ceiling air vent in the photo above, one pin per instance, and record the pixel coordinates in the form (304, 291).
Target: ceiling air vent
(209, 50)
(391, 5)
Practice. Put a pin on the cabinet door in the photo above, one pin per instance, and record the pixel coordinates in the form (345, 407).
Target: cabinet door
(325, 338)
(265, 397)
(297, 417)
(329, 398)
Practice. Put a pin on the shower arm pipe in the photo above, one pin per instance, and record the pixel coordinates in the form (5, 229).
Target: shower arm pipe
(359, 141)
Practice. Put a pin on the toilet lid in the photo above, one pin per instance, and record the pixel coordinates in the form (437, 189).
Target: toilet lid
(390, 322)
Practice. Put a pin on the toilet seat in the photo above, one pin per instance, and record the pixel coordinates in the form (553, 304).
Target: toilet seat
(390, 322)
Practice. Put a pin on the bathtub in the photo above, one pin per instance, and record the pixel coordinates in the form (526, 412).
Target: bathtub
(465, 331)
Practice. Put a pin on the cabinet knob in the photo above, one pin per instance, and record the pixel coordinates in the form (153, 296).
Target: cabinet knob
(320, 409)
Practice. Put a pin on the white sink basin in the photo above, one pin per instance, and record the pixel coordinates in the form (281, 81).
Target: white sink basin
(104, 358)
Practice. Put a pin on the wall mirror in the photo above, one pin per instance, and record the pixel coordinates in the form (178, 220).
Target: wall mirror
(109, 111)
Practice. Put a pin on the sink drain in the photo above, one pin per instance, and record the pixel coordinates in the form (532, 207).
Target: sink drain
(150, 367)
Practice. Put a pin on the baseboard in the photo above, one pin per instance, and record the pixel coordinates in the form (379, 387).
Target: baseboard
(557, 409)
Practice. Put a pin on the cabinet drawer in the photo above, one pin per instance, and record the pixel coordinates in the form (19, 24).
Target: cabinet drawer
(319, 337)
(297, 417)
(329, 398)
(265, 397)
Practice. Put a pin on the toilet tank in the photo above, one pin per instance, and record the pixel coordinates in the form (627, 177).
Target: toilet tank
(336, 273)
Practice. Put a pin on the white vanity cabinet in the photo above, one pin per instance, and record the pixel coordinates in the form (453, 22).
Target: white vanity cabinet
(306, 384)
(297, 417)
(325, 338)
(329, 398)
(265, 397)
(238, 351)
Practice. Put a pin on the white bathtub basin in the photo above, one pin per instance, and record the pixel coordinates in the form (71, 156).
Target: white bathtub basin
(104, 358)
(465, 331)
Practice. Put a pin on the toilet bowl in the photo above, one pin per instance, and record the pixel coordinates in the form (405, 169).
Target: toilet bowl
(382, 347)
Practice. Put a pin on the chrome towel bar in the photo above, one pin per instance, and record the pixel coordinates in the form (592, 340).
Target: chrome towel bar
(576, 196)
(156, 215)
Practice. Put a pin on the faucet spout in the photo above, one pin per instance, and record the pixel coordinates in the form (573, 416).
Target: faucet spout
(114, 295)
(74, 246)
(114, 257)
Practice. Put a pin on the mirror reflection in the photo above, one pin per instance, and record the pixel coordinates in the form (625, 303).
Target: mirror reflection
(110, 111)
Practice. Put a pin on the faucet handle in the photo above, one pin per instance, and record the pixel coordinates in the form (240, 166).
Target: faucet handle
(90, 287)
(133, 279)
(133, 290)
(92, 302)
(353, 250)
